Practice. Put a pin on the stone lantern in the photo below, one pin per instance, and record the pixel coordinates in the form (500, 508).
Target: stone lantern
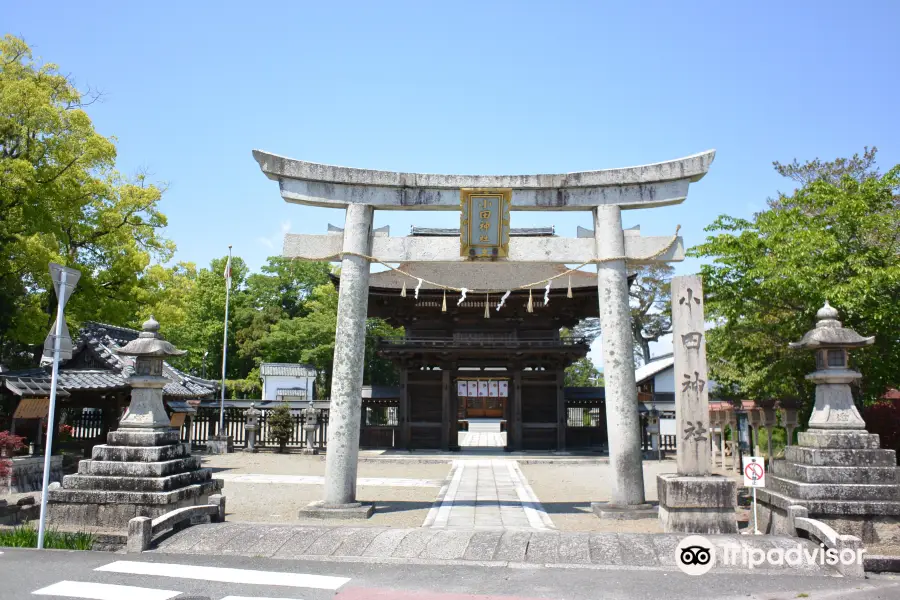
(791, 419)
(834, 408)
(251, 426)
(837, 472)
(144, 469)
(149, 350)
(653, 430)
(310, 424)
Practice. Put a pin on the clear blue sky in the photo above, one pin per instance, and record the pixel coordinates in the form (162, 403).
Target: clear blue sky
(469, 87)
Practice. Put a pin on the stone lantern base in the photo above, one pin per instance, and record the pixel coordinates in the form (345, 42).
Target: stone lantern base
(138, 473)
(842, 478)
(697, 504)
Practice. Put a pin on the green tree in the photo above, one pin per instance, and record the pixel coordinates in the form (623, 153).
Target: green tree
(281, 425)
(583, 373)
(837, 237)
(62, 200)
(651, 313)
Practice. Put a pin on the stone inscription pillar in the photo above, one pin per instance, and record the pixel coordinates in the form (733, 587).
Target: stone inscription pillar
(691, 392)
(622, 418)
(349, 344)
(693, 500)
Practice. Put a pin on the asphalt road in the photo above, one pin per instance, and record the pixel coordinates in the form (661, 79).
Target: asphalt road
(64, 574)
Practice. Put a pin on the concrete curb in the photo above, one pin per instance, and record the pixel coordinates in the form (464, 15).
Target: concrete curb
(879, 563)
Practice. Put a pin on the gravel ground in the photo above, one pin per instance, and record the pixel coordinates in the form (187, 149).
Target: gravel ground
(280, 503)
(566, 492)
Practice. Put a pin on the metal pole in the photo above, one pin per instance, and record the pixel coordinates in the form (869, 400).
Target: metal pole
(224, 352)
(52, 409)
(755, 518)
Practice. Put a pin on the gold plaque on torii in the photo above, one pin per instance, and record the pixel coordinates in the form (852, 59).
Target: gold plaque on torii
(484, 222)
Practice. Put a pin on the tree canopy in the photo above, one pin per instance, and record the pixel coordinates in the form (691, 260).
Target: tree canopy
(62, 200)
(835, 238)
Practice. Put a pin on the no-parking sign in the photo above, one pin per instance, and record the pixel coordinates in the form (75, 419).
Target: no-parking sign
(754, 472)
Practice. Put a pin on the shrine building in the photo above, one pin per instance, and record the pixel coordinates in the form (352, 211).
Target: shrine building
(458, 361)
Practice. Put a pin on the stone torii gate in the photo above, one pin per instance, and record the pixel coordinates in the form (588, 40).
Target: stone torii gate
(360, 192)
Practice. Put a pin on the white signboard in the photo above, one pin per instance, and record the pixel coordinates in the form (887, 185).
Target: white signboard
(754, 472)
(482, 389)
(461, 389)
(504, 389)
(493, 389)
(473, 389)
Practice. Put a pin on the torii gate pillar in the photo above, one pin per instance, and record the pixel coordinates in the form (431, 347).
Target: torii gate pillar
(347, 376)
(622, 418)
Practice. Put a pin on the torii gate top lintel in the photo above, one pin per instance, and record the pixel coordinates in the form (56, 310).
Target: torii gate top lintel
(644, 186)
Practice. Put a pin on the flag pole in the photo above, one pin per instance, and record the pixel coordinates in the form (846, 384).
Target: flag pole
(225, 341)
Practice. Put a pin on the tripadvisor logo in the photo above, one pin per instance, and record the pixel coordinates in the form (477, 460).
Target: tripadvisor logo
(696, 555)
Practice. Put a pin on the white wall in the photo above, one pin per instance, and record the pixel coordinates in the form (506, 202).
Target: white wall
(665, 381)
(667, 426)
(272, 383)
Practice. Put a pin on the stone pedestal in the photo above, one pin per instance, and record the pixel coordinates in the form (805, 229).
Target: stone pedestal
(697, 504)
(137, 473)
(220, 444)
(623, 512)
(346, 511)
(843, 479)
(251, 440)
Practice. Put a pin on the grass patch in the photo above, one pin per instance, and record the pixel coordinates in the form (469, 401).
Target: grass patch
(25, 536)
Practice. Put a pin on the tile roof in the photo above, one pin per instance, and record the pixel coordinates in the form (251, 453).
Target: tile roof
(287, 369)
(30, 387)
(102, 341)
(653, 368)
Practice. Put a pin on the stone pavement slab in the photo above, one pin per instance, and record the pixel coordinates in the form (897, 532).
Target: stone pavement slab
(436, 546)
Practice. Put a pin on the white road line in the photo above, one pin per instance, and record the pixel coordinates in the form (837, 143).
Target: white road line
(104, 591)
(319, 480)
(253, 598)
(225, 575)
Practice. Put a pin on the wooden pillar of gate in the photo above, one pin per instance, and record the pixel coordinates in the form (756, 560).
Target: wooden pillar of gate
(560, 410)
(514, 426)
(403, 409)
(445, 409)
(454, 407)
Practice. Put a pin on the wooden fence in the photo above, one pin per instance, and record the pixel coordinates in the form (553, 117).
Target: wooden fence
(205, 423)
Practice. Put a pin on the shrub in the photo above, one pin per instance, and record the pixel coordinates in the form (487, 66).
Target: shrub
(25, 536)
(281, 425)
(9, 444)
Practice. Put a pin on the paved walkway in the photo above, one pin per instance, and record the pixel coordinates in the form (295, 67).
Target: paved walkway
(487, 494)
(494, 548)
(483, 433)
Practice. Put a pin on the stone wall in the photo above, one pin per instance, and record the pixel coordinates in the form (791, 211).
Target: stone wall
(27, 473)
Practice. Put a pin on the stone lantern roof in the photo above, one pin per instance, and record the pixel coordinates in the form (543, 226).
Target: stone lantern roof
(150, 343)
(830, 333)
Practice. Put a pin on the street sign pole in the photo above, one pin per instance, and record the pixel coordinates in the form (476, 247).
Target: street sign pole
(57, 346)
(48, 450)
(754, 477)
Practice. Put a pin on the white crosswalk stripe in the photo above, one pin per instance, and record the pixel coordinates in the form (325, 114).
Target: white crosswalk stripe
(225, 575)
(103, 591)
(252, 598)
